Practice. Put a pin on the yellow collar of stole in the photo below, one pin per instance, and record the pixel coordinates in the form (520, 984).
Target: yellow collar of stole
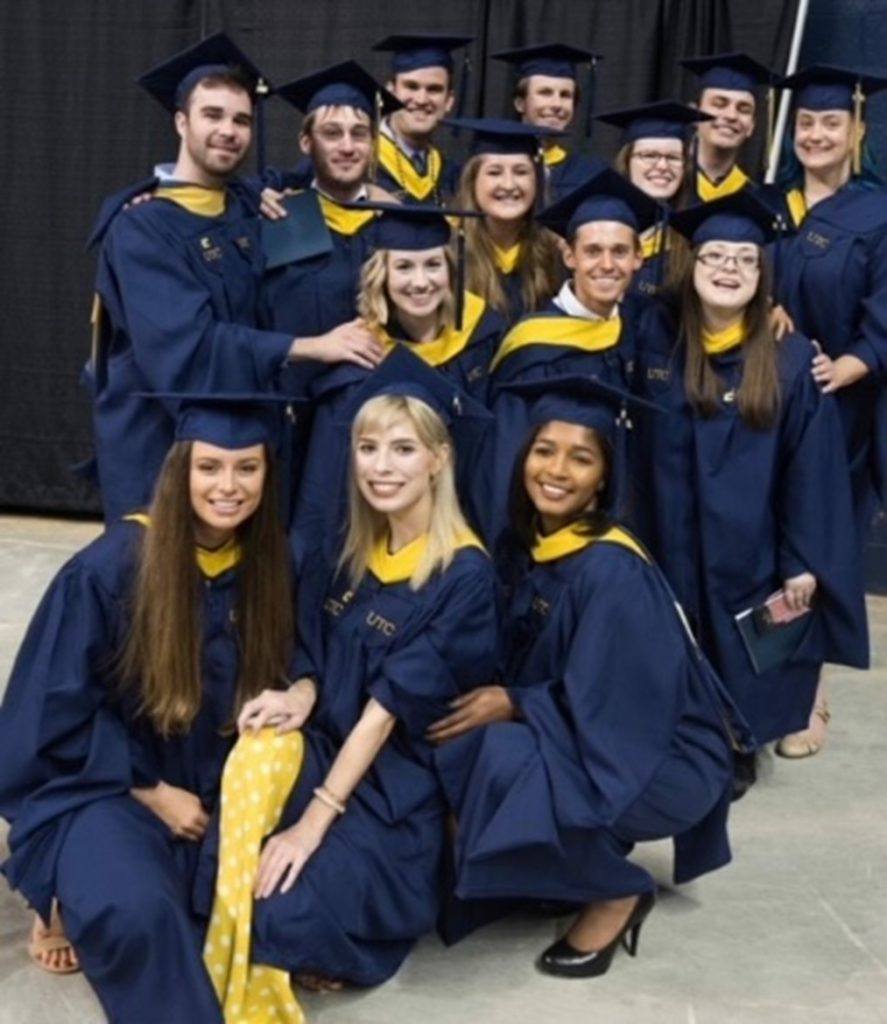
(402, 169)
(571, 331)
(797, 206)
(568, 540)
(554, 155)
(342, 220)
(449, 343)
(400, 566)
(210, 563)
(506, 259)
(717, 342)
(652, 242)
(205, 202)
(707, 190)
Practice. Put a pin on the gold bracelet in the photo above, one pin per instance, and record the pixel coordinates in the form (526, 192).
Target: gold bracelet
(326, 797)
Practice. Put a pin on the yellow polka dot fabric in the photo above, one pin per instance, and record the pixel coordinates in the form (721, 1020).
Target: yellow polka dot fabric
(259, 774)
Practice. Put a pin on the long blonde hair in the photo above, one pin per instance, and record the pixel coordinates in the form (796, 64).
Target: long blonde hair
(366, 526)
(374, 304)
(539, 262)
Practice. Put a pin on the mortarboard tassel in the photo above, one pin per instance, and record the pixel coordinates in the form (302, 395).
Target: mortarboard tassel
(589, 109)
(377, 128)
(771, 121)
(858, 101)
(261, 152)
(460, 273)
(462, 98)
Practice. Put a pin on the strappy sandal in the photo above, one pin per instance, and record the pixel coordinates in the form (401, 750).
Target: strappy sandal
(809, 741)
(45, 941)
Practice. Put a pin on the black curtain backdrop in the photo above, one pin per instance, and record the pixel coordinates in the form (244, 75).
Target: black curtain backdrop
(77, 128)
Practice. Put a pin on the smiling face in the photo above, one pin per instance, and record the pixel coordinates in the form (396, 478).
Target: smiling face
(824, 139)
(565, 472)
(394, 469)
(726, 275)
(226, 488)
(656, 166)
(417, 282)
(215, 132)
(339, 142)
(733, 111)
(505, 186)
(547, 101)
(603, 257)
(427, 98)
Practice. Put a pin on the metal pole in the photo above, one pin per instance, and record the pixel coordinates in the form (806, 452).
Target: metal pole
(785, 99)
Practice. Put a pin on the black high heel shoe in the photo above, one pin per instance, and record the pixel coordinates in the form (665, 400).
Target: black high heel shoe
(564, 961)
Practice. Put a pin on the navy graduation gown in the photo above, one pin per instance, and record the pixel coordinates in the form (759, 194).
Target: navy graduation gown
(413, 651)
(731, 512)
(622, 739)
(321, 501)
(312, 296)
(180, 291)
(832, 279)
(529, 354)
(69, 754)
(565, 175)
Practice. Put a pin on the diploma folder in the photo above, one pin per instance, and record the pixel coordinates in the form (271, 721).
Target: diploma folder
(772, 632)
(301, 235)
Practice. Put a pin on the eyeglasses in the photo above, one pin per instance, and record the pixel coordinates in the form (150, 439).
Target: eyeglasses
(717, 259)
(649, 158)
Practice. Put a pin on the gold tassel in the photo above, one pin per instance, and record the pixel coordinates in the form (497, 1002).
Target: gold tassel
(771, 121)
(858, 101)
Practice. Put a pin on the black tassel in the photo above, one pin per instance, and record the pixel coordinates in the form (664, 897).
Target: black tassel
(460, 273)
(261, 152)
(462, 98)
(589, 109)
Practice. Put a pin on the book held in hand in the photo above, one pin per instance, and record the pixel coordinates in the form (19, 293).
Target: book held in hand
(301, 235)
(772, 631)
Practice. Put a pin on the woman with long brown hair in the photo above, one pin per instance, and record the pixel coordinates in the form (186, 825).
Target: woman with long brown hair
(748, 488)
(655, 156)
(513, 262)
(121, 707)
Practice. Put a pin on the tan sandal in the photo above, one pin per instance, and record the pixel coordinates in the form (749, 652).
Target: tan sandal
(808, 741)
(45, 941)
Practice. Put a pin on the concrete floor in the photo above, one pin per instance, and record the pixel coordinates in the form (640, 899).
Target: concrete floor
(793, 932)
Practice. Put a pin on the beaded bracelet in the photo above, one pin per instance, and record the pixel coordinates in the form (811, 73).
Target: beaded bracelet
(325, 797)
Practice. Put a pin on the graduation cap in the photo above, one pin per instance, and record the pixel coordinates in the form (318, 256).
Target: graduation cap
(501, 137)
(589, 402)
(229, 420)
(739, 217)
(172, 81)
(606, 196)
(663, 120)
(556, 60)
(421, 50)
(342, 85)
(826, 87)
(416, 227)
(428, 50)
(404, 373)
(734, 71)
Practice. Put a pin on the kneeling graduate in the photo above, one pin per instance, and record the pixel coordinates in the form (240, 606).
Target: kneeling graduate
(622, 733)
